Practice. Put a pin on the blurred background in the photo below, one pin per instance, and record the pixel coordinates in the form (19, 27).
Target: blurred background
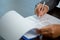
(23, 7)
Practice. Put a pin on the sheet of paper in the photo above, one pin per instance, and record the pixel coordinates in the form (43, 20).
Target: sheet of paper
(43, 21)
(31, 34)
(14, 26)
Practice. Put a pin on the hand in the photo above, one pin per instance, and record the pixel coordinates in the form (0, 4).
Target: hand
(52, 31)
(40, 10)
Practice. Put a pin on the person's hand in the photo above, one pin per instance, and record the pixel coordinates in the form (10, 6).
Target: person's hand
(40, 10)
(52, 31)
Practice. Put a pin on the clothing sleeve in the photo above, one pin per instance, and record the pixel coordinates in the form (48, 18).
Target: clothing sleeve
(50, 3)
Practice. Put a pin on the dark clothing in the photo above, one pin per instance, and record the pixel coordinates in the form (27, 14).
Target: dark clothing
(55, 12)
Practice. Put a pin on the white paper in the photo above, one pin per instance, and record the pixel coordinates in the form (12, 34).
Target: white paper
(14, 26)
(48, 19)
(40, 23)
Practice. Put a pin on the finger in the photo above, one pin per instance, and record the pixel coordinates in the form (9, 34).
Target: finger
(40, 10)
(36, 11)
(39, 6)
(41, 13)
(44, 29)
(38, 31)
(45, 9)
(45, 32)
(41, 31)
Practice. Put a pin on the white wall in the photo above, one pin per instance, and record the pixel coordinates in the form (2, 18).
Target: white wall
(6, 5)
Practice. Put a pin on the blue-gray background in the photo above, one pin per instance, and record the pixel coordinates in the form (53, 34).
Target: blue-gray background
(23, 7)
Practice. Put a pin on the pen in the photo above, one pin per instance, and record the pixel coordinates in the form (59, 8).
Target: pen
(44, 4)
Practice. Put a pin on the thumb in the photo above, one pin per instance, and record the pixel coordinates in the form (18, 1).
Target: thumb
(45, 32)
(41, 31)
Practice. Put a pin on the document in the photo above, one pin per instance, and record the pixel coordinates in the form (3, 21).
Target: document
(40, 23)
(14, 26)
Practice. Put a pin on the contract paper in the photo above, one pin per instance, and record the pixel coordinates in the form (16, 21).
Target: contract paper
(40, 23)
(14, 26)
(44, 20)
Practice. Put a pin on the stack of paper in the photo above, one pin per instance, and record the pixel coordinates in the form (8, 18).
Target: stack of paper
(41, 22)
(14, 26)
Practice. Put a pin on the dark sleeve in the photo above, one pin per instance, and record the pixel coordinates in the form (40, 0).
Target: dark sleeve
(50, 3)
